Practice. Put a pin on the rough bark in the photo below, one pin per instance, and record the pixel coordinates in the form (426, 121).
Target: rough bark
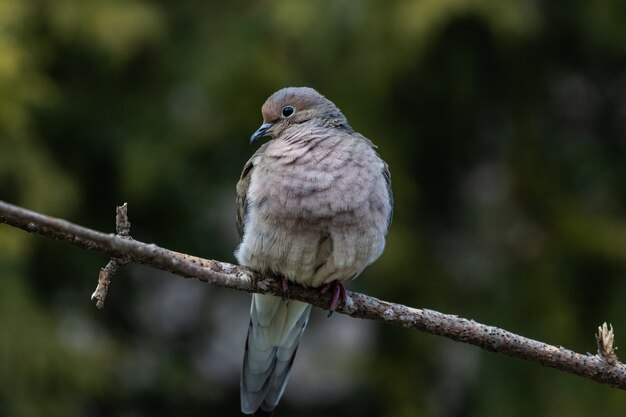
(604, 367)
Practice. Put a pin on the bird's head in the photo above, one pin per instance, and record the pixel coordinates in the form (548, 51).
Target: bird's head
(296, 105)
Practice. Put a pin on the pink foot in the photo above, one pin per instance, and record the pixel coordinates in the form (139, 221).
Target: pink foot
(339, 291)
(284, 283)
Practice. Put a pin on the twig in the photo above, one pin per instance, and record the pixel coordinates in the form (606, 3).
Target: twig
(122, 227)
(605, 340)
(594, 367)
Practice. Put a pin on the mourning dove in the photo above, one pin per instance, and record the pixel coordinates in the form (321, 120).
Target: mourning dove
(313, 206)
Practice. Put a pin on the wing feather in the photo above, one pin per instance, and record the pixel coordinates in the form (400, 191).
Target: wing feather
(242, 190)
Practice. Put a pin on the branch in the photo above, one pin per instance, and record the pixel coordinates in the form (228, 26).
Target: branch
(603, 368)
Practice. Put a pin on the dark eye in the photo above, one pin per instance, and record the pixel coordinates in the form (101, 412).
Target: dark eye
(287, 111)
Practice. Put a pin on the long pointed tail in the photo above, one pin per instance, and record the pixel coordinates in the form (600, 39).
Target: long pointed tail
(276, 326)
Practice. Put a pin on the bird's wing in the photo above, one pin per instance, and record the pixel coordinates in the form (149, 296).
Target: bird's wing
(387, 176)
(242, 189)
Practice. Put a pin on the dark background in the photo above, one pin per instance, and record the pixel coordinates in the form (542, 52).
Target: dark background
(503, 122)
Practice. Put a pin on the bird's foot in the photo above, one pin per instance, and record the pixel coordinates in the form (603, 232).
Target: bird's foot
(284, 283)
(339, 291)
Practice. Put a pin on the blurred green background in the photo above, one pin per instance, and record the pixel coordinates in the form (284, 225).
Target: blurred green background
(503, 122)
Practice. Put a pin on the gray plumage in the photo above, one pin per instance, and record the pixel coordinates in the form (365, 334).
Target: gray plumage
(313, 205)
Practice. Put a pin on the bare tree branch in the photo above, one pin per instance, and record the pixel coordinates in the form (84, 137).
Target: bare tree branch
(603, 368)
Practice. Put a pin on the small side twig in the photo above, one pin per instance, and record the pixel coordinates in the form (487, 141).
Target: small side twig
(122, 229)
(605, 339)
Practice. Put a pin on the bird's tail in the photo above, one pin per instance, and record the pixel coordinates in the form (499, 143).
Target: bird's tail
(276, 326)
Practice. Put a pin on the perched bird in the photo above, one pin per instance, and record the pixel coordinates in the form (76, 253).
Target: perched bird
(314, 205)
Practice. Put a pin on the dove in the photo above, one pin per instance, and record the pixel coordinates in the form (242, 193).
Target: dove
(314, 205)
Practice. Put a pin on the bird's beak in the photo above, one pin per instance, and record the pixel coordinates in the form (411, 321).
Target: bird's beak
(262, 131)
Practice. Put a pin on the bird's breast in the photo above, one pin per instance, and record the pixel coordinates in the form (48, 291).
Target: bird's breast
(309, 183)
(311, 213)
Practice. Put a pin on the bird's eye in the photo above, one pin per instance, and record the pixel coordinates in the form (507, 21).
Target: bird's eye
(287, 111)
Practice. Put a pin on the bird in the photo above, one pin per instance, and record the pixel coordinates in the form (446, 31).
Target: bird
(314, 205)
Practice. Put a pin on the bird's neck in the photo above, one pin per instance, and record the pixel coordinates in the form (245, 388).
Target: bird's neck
(335, 122)
(313, 131)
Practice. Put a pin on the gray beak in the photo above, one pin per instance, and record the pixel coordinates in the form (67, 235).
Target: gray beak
(262, 131)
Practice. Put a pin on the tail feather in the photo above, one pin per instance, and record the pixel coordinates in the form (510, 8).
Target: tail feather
(276, 326)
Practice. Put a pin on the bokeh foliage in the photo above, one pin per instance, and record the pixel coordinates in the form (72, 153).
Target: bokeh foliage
(503, 121)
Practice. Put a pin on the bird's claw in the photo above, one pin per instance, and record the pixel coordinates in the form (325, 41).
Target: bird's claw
(284, 283)
(339, 291)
